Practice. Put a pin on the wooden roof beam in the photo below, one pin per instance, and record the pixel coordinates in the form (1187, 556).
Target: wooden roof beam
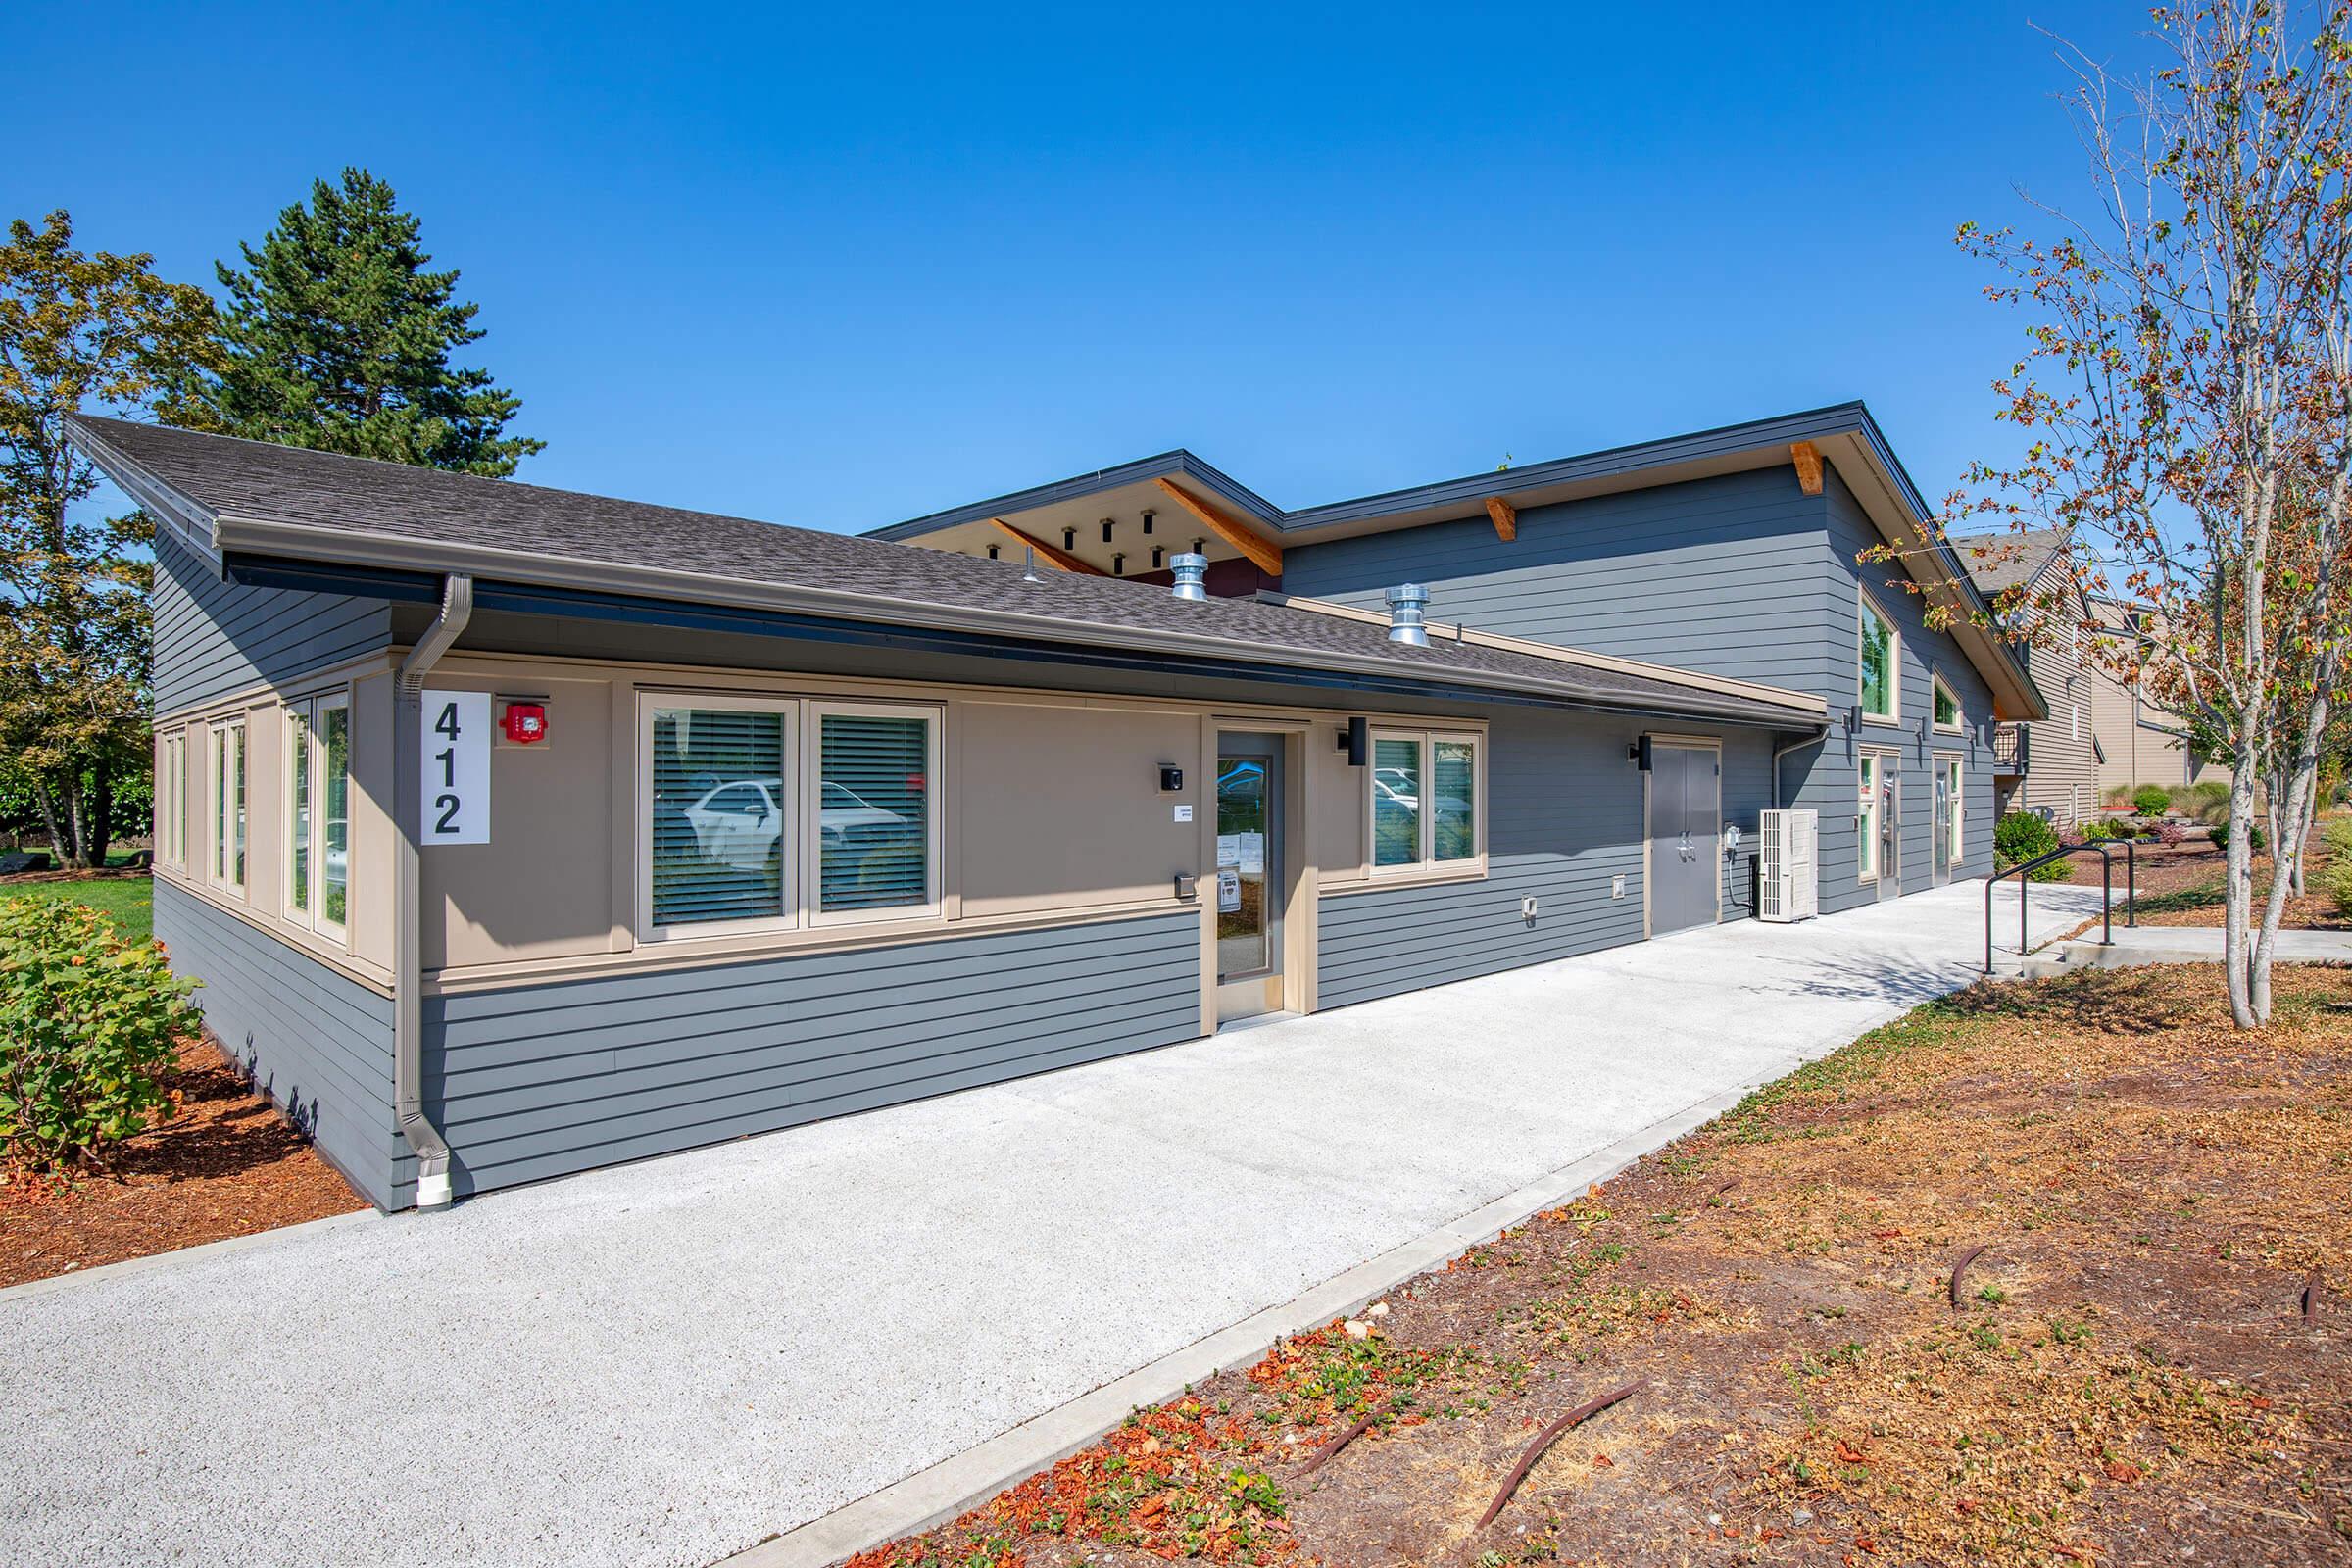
(1053, 553)
(1266, 556)
(1807, 457)
(1506, 519)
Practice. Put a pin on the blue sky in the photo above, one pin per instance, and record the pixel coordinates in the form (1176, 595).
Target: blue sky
(843, 268)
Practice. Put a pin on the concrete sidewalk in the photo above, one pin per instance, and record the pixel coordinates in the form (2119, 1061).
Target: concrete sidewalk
(667, 1363)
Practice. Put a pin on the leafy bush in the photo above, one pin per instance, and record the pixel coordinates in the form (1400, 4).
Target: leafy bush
(86, 1020)
(2337, 884)
(2020, 837)
(2099, 830)
(2335, 837)
(2151, 799)
(2255, 836)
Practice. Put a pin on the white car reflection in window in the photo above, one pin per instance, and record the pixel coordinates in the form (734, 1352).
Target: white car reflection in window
(740, 824)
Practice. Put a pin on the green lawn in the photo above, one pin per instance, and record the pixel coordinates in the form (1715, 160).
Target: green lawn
(130, 902)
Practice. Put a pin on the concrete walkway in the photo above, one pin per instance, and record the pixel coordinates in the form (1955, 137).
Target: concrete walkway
(668, 1362)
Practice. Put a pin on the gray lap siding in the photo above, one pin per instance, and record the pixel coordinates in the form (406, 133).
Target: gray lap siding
(546, 1079)
(317, 1044)
(1721, 576)
(1565, 816)
(1742, 575)
(214, 638)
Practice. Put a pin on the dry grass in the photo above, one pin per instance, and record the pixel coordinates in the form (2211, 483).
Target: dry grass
(2128, 1376)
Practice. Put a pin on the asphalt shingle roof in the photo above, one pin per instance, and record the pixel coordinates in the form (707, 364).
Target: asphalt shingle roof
(233, 478)
(1998, 561)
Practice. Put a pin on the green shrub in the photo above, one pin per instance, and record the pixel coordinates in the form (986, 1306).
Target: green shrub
(2151, 799)
(2335, 839)
(2336, 883)
(2255, 836)
(2020, 837)
(2099, 830)
(86, 1022)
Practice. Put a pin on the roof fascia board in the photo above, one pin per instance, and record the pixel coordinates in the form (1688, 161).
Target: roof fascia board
(1767, 438)
(300, 541)
(187, 521)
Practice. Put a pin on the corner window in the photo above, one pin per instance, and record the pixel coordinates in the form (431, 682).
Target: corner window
(762, 814)
(1425, 794)
(170, 802)
(1948, 708)
(318, 813)
(1880, 699)
(228, 805)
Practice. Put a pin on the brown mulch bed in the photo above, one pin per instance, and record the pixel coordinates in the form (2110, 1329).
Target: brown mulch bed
(2183, 885)
(227, 1164)
(2129, 1374)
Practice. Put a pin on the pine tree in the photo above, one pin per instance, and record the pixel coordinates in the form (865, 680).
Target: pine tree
(338, 338)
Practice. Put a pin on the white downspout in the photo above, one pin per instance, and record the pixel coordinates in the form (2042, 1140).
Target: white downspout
(408, 1011)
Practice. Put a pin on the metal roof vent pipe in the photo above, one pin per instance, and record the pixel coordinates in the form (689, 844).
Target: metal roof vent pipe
(1190, 570)
(1406, 602)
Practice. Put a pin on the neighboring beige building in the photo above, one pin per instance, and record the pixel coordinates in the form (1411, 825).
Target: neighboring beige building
(2052, 766)
(2140, 743)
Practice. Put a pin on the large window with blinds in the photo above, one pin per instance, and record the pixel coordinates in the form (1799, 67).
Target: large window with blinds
(766, 813)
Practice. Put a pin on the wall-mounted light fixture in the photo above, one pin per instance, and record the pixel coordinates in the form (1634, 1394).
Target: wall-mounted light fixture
(992, 552)
(1147, 514)
(1118, 565)
(1639, 753)
(1356, 741)
(1156, 552)
(1069, 538)
(1108, 524)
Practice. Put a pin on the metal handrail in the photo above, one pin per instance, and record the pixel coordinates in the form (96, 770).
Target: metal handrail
(2106, 855)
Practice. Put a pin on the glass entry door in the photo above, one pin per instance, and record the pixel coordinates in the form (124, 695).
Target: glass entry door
(1249, 875)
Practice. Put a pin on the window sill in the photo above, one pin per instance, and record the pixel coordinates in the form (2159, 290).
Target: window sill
(707, 952)
(1409, 877)
(1884, 723)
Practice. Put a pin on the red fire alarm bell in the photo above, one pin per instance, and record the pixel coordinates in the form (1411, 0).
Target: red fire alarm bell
(527, 722)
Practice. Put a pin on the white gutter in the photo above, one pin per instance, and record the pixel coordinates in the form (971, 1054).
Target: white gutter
(408, 933)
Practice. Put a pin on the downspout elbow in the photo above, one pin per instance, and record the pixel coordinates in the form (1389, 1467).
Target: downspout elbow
(423, 1138)
(1814, 738)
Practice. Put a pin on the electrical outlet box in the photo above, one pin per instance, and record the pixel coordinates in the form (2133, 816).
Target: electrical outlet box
(1617, 886)
(1527, 908)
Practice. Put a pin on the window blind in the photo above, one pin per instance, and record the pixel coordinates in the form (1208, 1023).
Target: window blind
(718, 815)
(873, 821)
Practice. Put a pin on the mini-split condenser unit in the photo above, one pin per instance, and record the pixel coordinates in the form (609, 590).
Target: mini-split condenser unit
(1791, 866)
